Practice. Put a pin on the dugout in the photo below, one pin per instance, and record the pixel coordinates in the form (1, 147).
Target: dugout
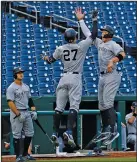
(122, 104)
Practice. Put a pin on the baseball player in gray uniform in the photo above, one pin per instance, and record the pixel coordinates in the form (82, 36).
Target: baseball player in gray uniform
(131, 125)
(109, 53)
(69, 88)
(19, 100)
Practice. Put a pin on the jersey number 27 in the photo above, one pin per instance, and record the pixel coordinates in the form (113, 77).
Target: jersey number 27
(67, 54)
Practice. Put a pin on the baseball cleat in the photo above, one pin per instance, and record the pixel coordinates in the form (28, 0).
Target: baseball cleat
(20, 159)
(69, 138)
(54, 138)
(28, 157)
(126, 149)
(111, 138)
(102, 136)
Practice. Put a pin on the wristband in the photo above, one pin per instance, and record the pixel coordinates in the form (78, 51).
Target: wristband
(120, 57)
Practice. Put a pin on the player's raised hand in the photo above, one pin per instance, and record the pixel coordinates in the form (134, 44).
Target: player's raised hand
(110, 66)
(79, 14)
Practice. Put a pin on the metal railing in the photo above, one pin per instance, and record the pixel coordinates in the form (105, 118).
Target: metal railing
(58, 16)
(24, 13)
(79, 123)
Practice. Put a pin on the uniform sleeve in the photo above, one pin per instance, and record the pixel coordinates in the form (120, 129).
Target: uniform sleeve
(116, 49)
(96, 42)
(85, 44)
(57, 53)
(84, 28)
(10, 94)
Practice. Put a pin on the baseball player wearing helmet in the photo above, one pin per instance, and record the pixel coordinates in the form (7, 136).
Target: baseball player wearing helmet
(131, 125)
(69, 88)
(19, 100)
(109, 53)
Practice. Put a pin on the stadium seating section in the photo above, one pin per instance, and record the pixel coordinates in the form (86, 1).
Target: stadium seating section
(24, 41)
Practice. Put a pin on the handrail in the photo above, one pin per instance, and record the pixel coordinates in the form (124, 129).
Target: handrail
(81, 112)
(79, 120)
(59, 26)
(28, 5)
(65, 18)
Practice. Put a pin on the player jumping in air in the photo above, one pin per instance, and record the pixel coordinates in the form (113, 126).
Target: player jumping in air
(109, 53)
(72, 55)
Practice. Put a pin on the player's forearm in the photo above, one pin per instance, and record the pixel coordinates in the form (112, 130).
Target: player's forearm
(84, 28)
(94, 29)
(13, 108)
(117, 58)
(131, 120)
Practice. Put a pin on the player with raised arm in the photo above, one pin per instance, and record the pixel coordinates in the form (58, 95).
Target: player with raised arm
(72, 55)
(109, 53)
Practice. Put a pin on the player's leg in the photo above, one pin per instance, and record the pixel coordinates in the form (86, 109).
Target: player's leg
(30, 148)
(75, 93)
(112, 83)
(124, 138)
(135, 142)
(29, 132)
(132, 139)
(101, 104)
(61, 100)
(105, 131)
(103, 134)
(16, 127)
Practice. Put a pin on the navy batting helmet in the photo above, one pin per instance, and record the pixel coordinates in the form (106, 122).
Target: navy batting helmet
(70, 35)
(110, 30)
(17, 70)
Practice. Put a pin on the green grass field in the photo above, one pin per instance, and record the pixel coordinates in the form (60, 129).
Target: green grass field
(89, 159)
(127, 159)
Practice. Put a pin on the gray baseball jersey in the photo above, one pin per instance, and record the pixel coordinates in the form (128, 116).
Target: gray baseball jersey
(109, 82)
(106, 51)
(20, 96)
(131, 127)
(73, 55)
(70, 85)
